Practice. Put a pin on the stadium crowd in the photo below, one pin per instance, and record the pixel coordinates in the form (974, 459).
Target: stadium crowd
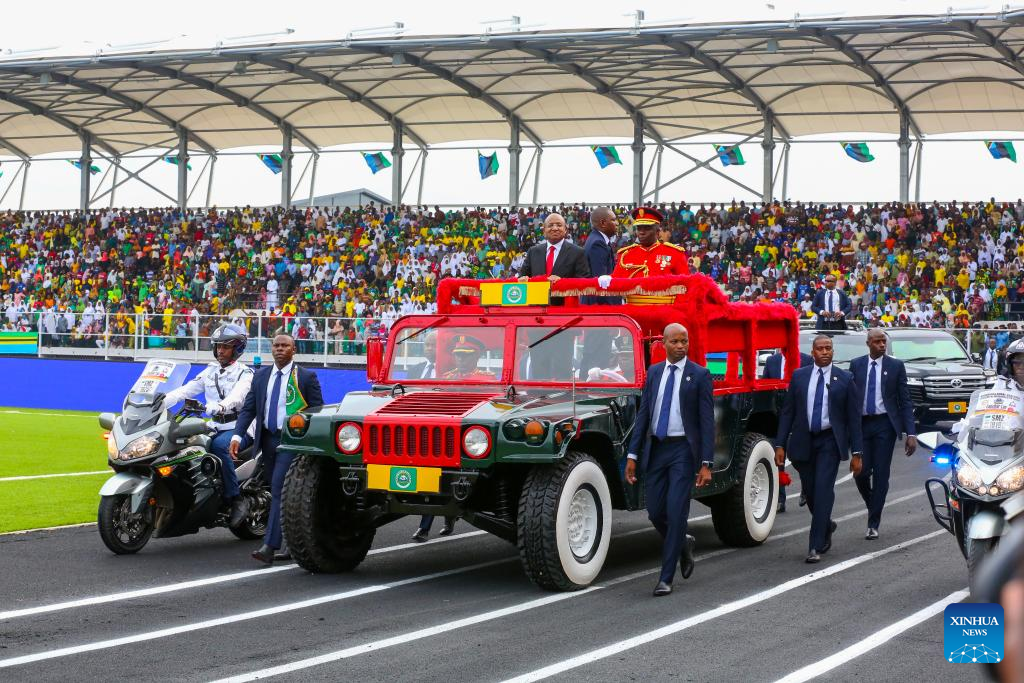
(354, 271)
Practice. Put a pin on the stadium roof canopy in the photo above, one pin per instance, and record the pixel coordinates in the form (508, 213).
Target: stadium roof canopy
(914, 76)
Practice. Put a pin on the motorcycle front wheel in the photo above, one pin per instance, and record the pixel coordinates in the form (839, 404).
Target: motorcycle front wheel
(122, 532)
(977, 550)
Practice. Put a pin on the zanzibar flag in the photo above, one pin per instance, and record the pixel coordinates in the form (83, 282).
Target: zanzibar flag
(858, 151)
(93, 168)
(174, 160)
(272, 161)
(293, 401)
(488, 165)
(376, 161)
(606, 156)
(1001, 150)
(730, 156)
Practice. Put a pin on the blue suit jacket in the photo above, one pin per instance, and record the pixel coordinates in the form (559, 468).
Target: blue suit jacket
(254, 407)
(696, 403)
(844, 404)
(895, 392)
(819, 305)
(773, 365)
(601, 258)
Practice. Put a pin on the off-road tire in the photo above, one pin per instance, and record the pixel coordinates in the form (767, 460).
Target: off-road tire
(106, 521)
(313, 518)
(545, 524)
(741, 516)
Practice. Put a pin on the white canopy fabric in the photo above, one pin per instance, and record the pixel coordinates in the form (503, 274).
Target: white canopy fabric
(950, 74)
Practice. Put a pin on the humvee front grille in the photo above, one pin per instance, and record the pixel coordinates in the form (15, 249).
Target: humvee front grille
(428, 445)
(433, 403)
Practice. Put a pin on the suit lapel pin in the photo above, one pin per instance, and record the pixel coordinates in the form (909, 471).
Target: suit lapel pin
(689, 377)
(885, 372)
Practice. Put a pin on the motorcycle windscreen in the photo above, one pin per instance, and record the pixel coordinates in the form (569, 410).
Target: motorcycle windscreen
(159, 376)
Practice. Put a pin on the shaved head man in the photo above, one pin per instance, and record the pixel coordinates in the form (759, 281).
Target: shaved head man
(600, 251)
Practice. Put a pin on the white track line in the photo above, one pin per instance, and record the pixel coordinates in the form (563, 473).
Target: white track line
(235, 618)
(29, 412)
(198, 583)
(533, 604)
(50, 476)
(47, 528)
(728, 608)
(874, 640)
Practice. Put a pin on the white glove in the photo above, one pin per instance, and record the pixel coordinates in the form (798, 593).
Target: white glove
(214, 408)
(594, 374)
(604, 281)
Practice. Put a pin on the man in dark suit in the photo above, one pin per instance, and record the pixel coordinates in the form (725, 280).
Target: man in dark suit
(673, 438)
(887, 412)
(832, 306)
(775, 368)
(818, 427)
(600, 250)
(267, 405)
(992, 358)
(428, 368)
(556, 257)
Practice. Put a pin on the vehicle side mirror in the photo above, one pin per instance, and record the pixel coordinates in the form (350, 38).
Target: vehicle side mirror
(976, 357)
(107, 420)
(932, 440)
(374, 359)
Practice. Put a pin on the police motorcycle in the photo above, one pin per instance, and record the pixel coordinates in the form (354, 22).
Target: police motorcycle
(985, 454)
(167, 482)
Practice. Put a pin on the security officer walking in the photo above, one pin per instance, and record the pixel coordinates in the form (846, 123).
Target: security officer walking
(887, 412)
(224, 384)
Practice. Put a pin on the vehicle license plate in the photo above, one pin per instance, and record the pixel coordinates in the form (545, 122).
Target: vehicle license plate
(403, 478)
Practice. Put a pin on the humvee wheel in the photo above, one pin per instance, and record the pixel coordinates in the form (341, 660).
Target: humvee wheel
(745, 515)
(565, 523)
(313, 518)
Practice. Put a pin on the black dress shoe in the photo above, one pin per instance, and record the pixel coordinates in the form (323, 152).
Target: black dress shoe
(448, 528)
(872, 534)
(813, 557)
(782, 507)
(420, 536)
(803, 500)
(686, 561)
(832, 526)
(662, 589)
(265, 554)
(239, 511)
(283, 556)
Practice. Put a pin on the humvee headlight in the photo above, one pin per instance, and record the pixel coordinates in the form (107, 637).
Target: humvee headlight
(349, 438)
(476, 441)
(141, 447)
(967, 475)
(1011, 480)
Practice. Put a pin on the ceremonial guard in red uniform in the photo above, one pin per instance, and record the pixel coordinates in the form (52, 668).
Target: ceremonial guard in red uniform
(649, 256)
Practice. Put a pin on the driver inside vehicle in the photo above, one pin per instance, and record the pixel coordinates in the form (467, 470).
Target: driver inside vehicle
(467, 350)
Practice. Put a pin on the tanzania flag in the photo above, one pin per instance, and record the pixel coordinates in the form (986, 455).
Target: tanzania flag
(293, 401)
(488, 165)
(606, 156)
(1001, 150)
(858, 151)
(376, 161)
(93, 168)
(729, 156)
(272, 161)
(174, 160)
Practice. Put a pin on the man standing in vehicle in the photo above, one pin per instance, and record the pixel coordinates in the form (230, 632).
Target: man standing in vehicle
(277, 391)
(887, 412)
(600, 250)
(673, 437)
(832, 306)
(649, 256)
(818, 426)
(225, 385)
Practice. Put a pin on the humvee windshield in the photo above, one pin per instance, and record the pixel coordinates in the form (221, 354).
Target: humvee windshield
(541, 353)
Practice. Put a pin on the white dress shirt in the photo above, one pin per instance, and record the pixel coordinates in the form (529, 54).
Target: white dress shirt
(675, 413)
(831, 301)
(879, 405)
(286, 373)
(812, 387)
(429, 371)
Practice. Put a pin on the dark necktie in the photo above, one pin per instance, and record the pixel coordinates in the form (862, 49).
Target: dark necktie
(661, 431)
(828, 295)
(551, 259)
(275, 394)
(819, 400)
(872, 388)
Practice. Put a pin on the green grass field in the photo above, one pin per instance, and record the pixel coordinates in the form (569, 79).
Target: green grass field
(34, 442)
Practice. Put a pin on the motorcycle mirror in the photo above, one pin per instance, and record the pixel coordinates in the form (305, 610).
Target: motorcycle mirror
(931, 440)
(107, 420)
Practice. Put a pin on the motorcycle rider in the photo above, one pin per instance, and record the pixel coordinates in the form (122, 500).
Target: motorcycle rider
(1014, 359)
(225, 385)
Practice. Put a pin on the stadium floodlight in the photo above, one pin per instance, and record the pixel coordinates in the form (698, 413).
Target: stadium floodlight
(514, 25)
(395, 28)
(951, 11)
(797, 18)
(230, 41)
(30, 51)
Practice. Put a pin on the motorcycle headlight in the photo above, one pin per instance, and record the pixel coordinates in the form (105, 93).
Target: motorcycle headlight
(915, 381)
(141, 447)
(349, 438)
(1011, 480)
(967, 475)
